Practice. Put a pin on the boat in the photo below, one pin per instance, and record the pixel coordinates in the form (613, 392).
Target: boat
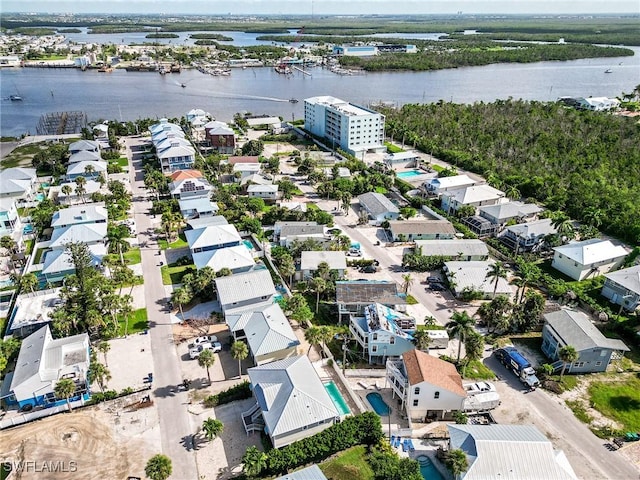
(183, 85)
(15, 98)
(283, 69)
(608, 70)
(293, 100)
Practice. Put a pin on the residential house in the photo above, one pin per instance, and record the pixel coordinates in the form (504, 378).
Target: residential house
(32, 311)
(266, 192)
(570, 327)
(291, 401)
(234, 160)
(598, 104)
(472, 276)
(190, 174)
(196, 114)
(475, 196)
(352, 296)
(514, 211)
(90, 170)
(293, 206)
(91, 186)
(309, 473)
(437, 186)
(41, 363)
(480, 226)
(528, 237)
(411, 230)
(462, 249)
(508, 451)
(343, 172)
(382, 332)
(85, 156)
(196, 223)
(260, 121)
(207, 239)
(256, 179)
(429, 388)
(197, 208)
(238, 259)
(84, 146)
(245, 291)
(277, 227)
(190, 188)
(623, 288)
(593, 257)
(179, 155)
(291, 233)
(220, 137)
(310, 260)
(378, 207)
(267, 332)
(401, 160)
(242, 170)
(10, 223)
(165, 126)
(87, 213)
(18, 183)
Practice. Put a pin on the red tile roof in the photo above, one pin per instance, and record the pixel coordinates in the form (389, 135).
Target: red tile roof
(243, 159)
(185, 174)
(422, 367)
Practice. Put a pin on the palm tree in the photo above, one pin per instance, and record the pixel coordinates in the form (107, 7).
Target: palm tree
(421, 339)
(65, 388)
(158, 467)
(7, 242)
(456, 462)
(30, 281)
(116, 240)
(103, 347)
(253, 461)
(212, 428)
(473, 346)
(593, 217)
(239, 351)
(496, 272)
(326, 334)
(287, 267)
(80, 187)
(318, 284)
(313, 336)
(206, 359)
(100, 374)
(564, 225)
(346, 202)
(461, 325)
(528, 273)
(407, 282)
(66, 189)
(512, 192)
(568, 354)
(181, 296)
(89, 170)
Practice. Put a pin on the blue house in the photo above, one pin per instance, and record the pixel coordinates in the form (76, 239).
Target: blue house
(383, 332)
(42, 362)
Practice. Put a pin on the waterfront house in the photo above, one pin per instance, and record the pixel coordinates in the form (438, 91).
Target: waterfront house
(623, 288)
(220, 137)
(238, 259)
(472, 276)
(513, 211)
(310, 260)
(437, 186)
(410, 230)
(594, 257)
(528, 237)
(571, 327)
(378, 207)
(197, 114)
(84, 146)
(429, 388)
(291, 401)
(475, 196)
(41, 363)
(508, 451)
(245, 291)
(266, 192)
(459, 249)
(352, 296)
(266, 331)
(89, 169)
(382, 332)
(215, 237)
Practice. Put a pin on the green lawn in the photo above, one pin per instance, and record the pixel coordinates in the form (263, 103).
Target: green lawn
(619, 401)
(123, 162)
(132, 256)
(348, 465)
(411, 300)
(173, 274)
(476, 370)
(137, 323)
(38, 258)
(179, 243)
(437, 168)
(391, 148)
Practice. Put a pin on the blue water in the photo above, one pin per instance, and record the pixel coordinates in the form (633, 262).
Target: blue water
(27, 229)
(378, 404)
(6, 283)
(248, 244)
(337, 398)
(427, 469)
(40, 197)
(45, 185)
(410, 173)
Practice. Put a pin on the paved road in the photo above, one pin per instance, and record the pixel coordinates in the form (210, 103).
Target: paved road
(175, 423)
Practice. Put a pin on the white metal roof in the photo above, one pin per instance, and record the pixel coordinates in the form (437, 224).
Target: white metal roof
(510, 210)
(310, 473)
(233, 258)
(473, 275)
(474, 194)
(211, 236)
(87, 213)
(591, 251)
(244, 286)
(453, 248)
(310, 260)
(88, 233)
(533, 229)
(57, 261)
(84, 155)
(80, 167)
(262, 189)
(450, 182)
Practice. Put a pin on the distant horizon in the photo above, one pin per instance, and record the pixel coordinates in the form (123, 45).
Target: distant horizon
(323, 7)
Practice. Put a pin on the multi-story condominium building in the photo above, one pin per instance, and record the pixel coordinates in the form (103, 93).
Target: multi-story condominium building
(353, 128)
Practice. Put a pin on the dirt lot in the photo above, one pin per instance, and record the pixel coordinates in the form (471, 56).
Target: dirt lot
(99, 444)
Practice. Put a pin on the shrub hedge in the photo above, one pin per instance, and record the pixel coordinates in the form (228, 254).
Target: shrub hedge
(237, 392)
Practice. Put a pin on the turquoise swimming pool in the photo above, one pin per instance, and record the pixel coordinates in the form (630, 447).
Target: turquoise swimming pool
(378, 404)
(248, 244)
(337, 398)
(40, 197)
(427, 469)
(409, 173)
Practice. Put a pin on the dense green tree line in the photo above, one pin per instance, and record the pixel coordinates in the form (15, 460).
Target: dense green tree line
(467, 54)
(569, 160)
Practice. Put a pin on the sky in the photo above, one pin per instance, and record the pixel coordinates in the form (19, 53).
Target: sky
(319, 7)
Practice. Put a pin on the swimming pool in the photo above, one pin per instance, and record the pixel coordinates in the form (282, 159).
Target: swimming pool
(40, 197)
(248, 244)
(409, 173)
(337, 398)
(378, 404)
(428, 469)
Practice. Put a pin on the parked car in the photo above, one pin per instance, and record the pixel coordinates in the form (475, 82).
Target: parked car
(202, 340)
(369, 269)
(436, 287)
(195, 352)
(354, 253)
(434, 280)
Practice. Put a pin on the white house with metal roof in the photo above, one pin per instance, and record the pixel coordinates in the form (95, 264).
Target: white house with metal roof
(267, 332)
(502, 213)
(378, 207)
(437, 186)
(508, 451)
(464, 249)
(410, 230)
(245, 291)
(593, 257)
(472, 275)
(571, 327)
(80, 214)
(291, 401)
(89, 169)
(87, 233)
(289, 232)
(84, 156)
(197, 207)
(212, 237)
(310, 260)
(266, 192)
(528, 237)
(18, 182)
(623, 287)
(190, 188)
(84, 146)
(43, 361)
(238, 259)
(475, 196)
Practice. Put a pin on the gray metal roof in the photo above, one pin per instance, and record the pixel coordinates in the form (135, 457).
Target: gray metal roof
(422, 227)
(267, 329)
(453, 248)
(196, 223)
(291, 395)
(576, 329)
(212, 235)
(233, 258)
(244, 286)
(509, 451)
(505, 211)
(368, 292)
(533, 229)
(377, 204)
(88, 233)
(309, 260)
(79, 214)
(84, 145)
(628, 278)
(291, 230)
(473, 275)
(310, 473)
